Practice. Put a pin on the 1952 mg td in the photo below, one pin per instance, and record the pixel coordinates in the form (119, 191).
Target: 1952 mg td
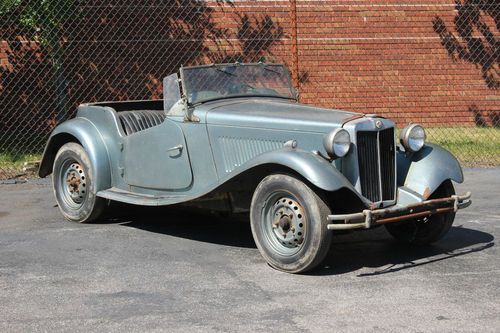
(233, 137)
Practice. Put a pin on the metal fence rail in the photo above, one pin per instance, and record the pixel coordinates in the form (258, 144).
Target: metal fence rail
(436, 62)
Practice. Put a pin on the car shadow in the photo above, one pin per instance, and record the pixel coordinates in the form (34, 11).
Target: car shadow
(378, 250)
(186, 223)
(349, 252)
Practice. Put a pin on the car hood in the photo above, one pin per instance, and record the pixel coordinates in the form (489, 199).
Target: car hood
(274, 114)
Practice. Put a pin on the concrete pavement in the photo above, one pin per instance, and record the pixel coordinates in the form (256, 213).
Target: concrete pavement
(164, 270)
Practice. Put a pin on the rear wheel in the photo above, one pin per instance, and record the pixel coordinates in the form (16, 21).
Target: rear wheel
(289, 224)
(73, 185)
(429, 229)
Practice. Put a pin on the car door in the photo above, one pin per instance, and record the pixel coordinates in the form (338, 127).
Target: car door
(157, 158)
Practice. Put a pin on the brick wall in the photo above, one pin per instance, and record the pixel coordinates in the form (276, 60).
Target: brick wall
(406, 60)
(395, 58)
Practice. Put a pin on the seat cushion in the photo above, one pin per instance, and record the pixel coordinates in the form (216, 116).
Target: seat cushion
(135, 121)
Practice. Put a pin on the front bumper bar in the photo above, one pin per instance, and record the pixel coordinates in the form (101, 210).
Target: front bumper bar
(369, 218)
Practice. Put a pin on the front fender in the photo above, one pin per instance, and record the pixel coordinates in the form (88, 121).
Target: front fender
(312, 167)
(89, 137)
(428, 168)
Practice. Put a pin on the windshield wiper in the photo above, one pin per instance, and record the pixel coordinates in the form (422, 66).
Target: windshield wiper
(247, 85)
(225, 72)
(271, 70)
(232, 74)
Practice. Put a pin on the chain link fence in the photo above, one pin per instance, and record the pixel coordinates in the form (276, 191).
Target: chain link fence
(435, 62)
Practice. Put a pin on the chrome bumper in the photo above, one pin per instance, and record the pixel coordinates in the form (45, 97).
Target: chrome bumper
(369, 218)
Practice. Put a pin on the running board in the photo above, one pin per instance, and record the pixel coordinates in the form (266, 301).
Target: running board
(117, 194)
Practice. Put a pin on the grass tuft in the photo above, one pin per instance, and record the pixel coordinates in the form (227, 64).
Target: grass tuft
(473, 146)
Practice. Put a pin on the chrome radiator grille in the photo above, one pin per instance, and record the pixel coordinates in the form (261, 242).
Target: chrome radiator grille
(377, 174)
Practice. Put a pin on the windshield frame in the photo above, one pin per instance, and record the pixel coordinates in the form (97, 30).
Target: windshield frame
(185, 89)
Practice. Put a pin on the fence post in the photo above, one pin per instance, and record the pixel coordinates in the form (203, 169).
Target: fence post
(295, 55)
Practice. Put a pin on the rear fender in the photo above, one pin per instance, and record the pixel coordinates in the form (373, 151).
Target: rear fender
(84, 132)
(423, 171)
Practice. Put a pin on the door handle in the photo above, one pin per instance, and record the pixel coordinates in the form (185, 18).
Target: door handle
(178, 147)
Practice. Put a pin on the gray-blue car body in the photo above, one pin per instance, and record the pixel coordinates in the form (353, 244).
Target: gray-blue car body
(245, 143)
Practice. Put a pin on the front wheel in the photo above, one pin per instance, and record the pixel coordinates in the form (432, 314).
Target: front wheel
(289, 224)
(429, 229)
(74, 186)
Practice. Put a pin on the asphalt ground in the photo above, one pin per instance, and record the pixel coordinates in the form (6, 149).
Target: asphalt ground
(179, 271)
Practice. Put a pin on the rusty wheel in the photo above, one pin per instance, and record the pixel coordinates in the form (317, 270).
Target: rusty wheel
(73, 183)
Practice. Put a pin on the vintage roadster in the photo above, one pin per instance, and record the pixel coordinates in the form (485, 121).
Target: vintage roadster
(232, 137)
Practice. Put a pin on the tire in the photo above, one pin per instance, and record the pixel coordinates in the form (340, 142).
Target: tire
(73, 185)
(425, 230)
(289, 224)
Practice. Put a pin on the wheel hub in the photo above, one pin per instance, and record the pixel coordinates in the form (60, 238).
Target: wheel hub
(288, 226)
(75, 183)
(285, 223)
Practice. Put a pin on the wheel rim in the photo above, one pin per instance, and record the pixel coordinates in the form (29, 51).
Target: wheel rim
(73, 183)
(284, 223)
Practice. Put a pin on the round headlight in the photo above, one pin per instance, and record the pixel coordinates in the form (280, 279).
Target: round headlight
(337, 143)
(412, 137)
